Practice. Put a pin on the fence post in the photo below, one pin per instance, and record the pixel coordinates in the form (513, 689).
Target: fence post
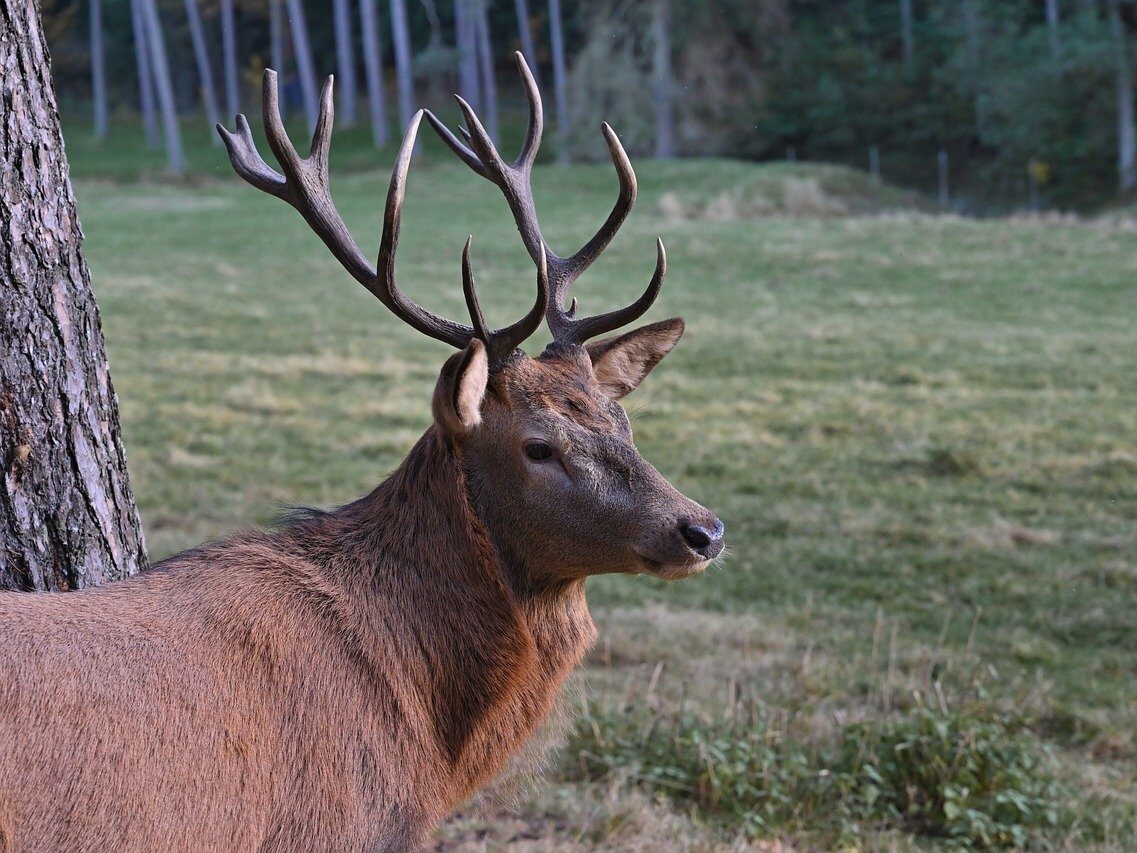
(941, 160)
(874, 162)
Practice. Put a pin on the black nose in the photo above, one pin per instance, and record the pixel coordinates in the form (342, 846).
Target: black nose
(704, 541)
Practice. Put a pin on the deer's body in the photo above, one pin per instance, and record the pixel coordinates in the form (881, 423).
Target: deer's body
(327, 686)
(345, 681)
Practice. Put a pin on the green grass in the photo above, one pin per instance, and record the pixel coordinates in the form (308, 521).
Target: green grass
(920, 431)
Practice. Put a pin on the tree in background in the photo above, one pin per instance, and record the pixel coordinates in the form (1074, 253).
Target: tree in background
(373, 61)
(204, 70)
(345, 62)
(67, 514)
(160, 68)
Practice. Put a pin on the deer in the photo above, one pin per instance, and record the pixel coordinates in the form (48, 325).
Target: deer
(346, 680)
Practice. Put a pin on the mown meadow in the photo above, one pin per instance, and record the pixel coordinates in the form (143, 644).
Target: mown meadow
(921, 432)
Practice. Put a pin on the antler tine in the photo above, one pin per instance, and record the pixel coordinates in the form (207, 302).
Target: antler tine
(471, 294)
(304, 184)
(248, 163)
(383, 285)
(536, 116)
(566, 329)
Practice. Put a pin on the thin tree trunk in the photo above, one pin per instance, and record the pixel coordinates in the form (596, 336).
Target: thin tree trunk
(1052, 32)
(67, 515)
(204, 70)
(304, 68)
(974, 57)
(373, 65)
(98, 69)
(560, 84)
(276, 47)
(467, 53)
(229, 56)
(175, 157)
(436, 78)
(906, 33)
(661, 83)
(485, 64)
(145, 76)
(345, 61)
(1126, 129)
(525, 31)
(402, 41)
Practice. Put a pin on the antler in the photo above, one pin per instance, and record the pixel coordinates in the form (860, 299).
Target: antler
(304, 185)
(515, 182)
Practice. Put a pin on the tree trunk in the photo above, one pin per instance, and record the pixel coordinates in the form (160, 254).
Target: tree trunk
(204, 70)
(467, 53)
(402, 40)
(1052, 32)
(276, 48)
(145, 76)
(526, 34)
(661, 84)
(299, 26)
(975, 59)
(906, 33)
(1126, 129)
(98, 69)
(485, 65)
(373, 65)
(345, 62)
(67, 515)
(229, 56)
(175, 157)
(560, 83)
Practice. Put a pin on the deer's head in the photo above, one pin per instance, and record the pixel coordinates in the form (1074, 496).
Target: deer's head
(547, 447)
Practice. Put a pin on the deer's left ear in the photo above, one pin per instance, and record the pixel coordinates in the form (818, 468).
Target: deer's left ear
(460, 390)
(620, 364)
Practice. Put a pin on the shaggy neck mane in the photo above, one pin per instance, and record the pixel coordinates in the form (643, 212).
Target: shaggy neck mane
(486, 654)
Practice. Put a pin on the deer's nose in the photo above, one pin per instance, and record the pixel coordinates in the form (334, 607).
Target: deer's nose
(704, 541)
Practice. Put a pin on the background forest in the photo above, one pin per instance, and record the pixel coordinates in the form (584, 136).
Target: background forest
(989, 105)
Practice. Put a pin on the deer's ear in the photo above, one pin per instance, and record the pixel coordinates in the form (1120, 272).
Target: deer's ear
(460, 390)
(620, 364)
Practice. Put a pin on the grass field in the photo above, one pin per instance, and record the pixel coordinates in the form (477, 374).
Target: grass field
(921, 432)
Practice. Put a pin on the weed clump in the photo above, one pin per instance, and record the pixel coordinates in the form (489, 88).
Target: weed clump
(971, 777)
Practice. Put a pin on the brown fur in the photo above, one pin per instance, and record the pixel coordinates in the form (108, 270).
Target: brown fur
(340, 683)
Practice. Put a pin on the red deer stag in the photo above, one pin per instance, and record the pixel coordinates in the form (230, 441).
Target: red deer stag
(343, 682)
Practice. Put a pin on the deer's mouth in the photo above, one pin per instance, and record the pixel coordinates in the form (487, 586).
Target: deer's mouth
(672, 571)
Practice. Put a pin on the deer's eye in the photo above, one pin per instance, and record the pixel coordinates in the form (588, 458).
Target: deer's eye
(538, 450)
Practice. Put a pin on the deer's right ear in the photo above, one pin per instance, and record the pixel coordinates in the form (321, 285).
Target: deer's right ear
(460, 390)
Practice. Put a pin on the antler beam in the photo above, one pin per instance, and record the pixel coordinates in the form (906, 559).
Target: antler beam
(516, 184)
(304, 185)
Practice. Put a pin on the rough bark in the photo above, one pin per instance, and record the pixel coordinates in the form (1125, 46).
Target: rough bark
(373, 65)
(67, 515)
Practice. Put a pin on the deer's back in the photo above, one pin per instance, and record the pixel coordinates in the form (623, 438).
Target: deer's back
(200, 706)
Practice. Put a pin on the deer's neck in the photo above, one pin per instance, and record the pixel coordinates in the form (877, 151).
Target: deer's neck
(491, 657)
